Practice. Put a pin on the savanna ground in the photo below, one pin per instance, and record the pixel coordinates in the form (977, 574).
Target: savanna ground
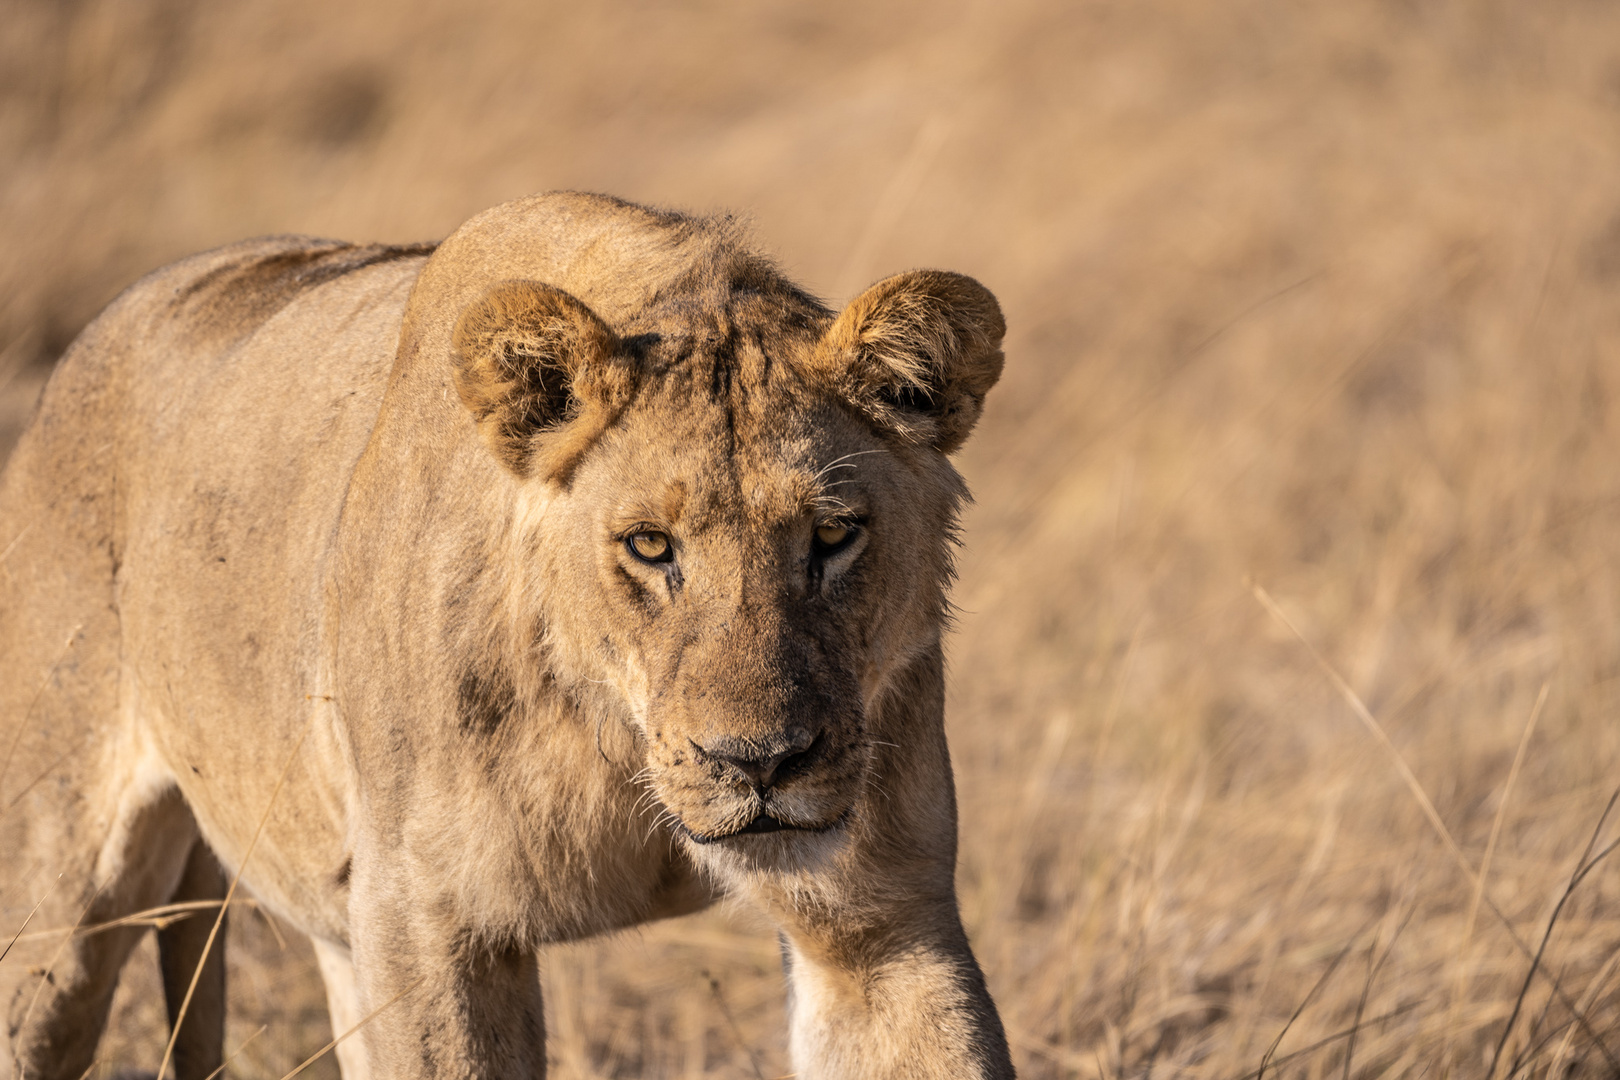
(1315, 323)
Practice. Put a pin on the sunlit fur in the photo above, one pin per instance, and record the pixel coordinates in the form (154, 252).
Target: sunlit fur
(380, 504)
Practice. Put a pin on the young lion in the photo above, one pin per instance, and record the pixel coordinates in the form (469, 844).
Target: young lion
(468, 599)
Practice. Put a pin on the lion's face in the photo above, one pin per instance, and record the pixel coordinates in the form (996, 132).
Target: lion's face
(757, 566)
(741, 524)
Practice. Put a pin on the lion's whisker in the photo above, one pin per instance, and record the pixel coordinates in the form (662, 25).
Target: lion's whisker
(843, 462)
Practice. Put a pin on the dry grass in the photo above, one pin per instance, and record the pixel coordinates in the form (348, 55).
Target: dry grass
(1319, 297)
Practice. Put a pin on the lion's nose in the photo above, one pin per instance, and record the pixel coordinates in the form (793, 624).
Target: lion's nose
(761, 764)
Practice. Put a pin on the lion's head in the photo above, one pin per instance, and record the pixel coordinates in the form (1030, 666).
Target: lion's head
(736, 511)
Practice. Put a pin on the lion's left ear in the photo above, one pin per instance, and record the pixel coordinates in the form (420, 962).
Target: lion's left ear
(918, 352)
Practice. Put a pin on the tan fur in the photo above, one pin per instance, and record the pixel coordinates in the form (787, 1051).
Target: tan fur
(377, 500)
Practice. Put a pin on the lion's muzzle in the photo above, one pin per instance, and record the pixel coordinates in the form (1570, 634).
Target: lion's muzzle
(768, 768)
(721, 784)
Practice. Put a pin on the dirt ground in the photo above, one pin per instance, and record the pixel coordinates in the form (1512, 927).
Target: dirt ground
(1299, 495)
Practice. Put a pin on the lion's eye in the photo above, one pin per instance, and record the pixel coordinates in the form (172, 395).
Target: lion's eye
(832, 537)
(651, 547)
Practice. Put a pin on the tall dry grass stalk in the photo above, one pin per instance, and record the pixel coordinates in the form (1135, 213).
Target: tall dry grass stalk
(1320, 296)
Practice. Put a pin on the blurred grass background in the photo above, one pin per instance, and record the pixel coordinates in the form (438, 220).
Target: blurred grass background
(1318, 297)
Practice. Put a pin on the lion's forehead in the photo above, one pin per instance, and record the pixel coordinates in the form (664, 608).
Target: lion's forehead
(694, 490)
(702, 461)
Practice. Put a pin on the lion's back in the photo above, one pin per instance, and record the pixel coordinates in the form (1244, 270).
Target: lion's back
(165, 342)
(169, 506)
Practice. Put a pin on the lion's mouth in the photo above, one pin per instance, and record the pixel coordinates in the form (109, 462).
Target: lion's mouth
(762, 823)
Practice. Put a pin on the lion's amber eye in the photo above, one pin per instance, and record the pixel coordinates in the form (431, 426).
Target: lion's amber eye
(653, 547)
(832, 537)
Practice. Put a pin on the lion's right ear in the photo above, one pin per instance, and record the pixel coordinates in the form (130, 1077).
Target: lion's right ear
(541, 374)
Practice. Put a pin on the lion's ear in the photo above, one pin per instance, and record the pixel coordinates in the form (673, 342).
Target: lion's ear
(540, 373)
(918, 352)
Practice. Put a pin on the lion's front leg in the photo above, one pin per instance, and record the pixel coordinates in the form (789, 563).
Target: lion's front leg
(920, 1011)
(447, 1001)
(914, 1007)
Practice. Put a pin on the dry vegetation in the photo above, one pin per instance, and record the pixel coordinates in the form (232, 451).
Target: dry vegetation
(1318, 297)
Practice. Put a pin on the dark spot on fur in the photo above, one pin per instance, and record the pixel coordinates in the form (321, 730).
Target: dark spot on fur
(483, 701)
(640, 345)
(633, 589)
(344, 872)
(720, 378)
(762, 347)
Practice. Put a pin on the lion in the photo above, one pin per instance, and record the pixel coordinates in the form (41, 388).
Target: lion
(462, 599)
